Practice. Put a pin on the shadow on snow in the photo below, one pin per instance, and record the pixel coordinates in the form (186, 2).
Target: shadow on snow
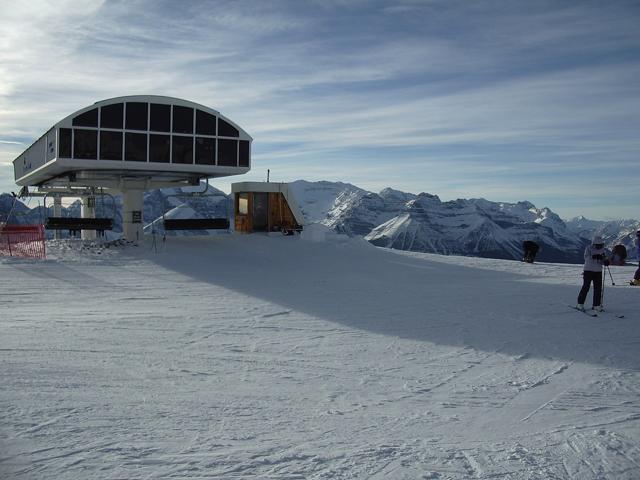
(379, 291)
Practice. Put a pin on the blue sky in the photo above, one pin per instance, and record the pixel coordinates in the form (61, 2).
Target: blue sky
(505, 100)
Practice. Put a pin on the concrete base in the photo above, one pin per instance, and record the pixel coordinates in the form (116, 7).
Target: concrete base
(57, 212)
(88, 210)
(132, 201)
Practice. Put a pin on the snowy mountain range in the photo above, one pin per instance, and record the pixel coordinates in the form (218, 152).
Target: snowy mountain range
(475, 227)
(183, 202)
(390, 218)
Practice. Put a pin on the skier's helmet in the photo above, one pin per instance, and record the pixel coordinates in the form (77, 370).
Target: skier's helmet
(638, 233)
(597, 240)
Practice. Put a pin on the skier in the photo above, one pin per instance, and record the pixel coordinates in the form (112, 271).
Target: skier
(636, 276)
(595, 256)
(530, 251)
(619, 255)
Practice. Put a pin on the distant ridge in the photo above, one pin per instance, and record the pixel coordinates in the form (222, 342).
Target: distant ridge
(393, 219)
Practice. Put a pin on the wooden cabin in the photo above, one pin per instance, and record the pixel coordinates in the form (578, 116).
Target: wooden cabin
(265, 207)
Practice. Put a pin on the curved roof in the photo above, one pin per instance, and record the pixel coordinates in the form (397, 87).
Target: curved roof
(143, 136)
(155, 99)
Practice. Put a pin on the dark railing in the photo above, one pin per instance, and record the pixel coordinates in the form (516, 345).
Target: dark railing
(196, 223)
(77, 224)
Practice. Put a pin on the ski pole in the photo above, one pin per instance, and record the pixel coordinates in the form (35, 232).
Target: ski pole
(602, 292)
(610, 276)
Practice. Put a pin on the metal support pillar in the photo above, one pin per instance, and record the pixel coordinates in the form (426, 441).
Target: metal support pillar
(57, 212)
(88, 211)
(132, 201)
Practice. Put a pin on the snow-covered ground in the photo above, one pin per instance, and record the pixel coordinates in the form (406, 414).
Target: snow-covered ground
(283, 357)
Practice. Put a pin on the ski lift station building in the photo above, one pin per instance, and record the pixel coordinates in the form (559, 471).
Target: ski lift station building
(132, 144)
(265, 207)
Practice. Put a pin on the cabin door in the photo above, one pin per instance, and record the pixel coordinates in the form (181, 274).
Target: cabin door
(260, 211)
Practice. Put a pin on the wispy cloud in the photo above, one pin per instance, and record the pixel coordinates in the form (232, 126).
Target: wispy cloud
(432, 93)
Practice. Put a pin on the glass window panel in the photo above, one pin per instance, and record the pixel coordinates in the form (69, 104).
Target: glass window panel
(243, 204)
(64, 144)
(243, 154)
(205, 123)
(87, 119)
(135, 148)
(85, 144)
(160, 117)
(182, 150)
(182, 119)
(205, 151)
(228, 153)
(159, 148)
(111, 116)
(136, 116)
(225, 129)
(110, 145)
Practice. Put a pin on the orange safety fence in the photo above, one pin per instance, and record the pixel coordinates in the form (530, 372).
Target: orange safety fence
(22, 241)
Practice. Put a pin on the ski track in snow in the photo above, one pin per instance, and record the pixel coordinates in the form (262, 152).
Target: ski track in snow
(275, 357)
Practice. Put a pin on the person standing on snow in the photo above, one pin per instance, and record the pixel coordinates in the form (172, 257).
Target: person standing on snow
(530, 251)
(636, 276)
(595, 257)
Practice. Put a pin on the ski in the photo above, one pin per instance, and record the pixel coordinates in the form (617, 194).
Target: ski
(586, 312)
(592, 313)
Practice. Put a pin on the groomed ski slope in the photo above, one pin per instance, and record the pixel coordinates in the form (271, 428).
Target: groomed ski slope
(286, 358)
